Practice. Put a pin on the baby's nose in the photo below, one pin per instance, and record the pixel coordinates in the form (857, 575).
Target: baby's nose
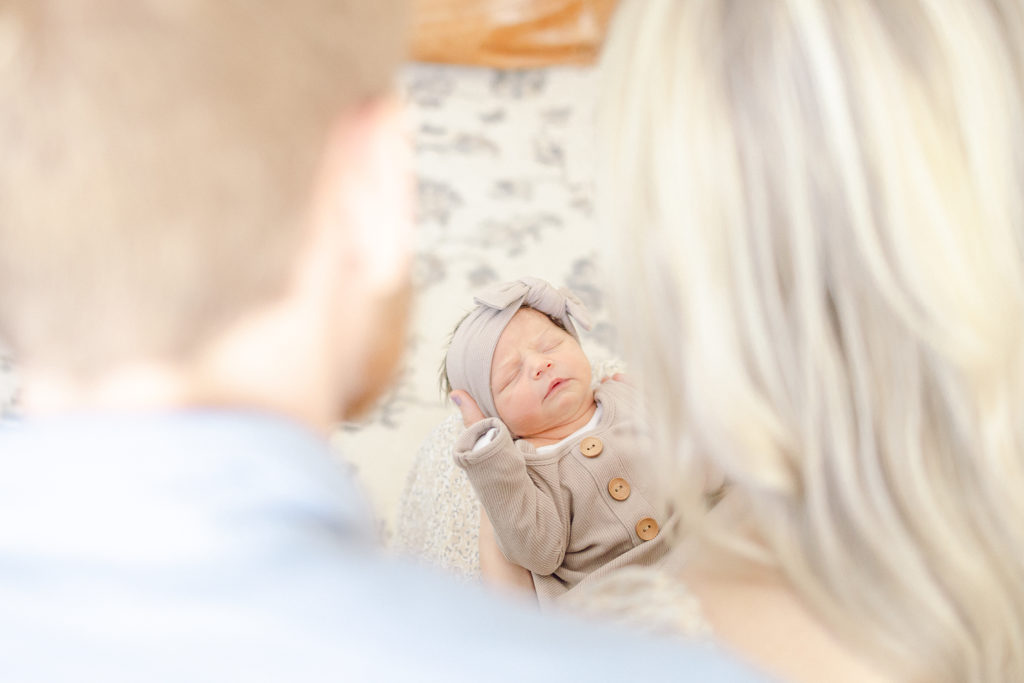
(542, 367)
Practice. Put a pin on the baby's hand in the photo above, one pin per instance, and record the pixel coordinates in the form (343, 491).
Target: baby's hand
(471, 413)
(618, 377)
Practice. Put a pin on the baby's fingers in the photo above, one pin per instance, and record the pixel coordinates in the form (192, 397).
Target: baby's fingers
(471, 413)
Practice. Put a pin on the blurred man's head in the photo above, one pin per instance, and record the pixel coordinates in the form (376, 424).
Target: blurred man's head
(167, 163)
(158, 160)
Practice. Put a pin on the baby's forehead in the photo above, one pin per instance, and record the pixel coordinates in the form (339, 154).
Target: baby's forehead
(526, 328)
(526, 324)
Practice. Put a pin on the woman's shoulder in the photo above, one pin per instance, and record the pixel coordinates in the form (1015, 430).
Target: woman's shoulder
(756, 611)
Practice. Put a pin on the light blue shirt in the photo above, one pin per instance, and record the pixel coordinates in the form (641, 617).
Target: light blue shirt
(230, 546)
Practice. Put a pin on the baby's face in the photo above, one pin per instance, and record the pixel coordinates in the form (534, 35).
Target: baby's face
(540, 377)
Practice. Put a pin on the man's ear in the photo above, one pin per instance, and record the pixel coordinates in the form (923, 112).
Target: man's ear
(365, 196)
(357, 270)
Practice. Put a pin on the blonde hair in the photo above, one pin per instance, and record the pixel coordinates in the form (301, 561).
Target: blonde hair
(158, 157)
(824, 203)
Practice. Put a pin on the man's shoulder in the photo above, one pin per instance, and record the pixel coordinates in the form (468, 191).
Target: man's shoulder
(220, 550)
(413, 619)
(333, 614)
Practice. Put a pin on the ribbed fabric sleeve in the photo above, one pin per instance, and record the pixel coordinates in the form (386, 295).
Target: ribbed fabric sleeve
(531, 521)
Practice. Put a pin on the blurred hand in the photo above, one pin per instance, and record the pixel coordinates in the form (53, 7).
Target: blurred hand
(618, 377)
(471, 413)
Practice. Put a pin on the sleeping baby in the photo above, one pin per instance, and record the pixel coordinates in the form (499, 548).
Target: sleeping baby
(566, 474)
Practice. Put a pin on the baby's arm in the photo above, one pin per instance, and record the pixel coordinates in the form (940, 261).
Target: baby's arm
(529, 513)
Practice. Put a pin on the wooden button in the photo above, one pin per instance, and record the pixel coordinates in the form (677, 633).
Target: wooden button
(619, 488)
(591, 446)
(646, 529)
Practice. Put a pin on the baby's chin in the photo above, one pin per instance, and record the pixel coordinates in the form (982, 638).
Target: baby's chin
(558, 425)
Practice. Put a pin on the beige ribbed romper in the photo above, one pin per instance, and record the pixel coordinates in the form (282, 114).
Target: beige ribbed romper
(591, 506)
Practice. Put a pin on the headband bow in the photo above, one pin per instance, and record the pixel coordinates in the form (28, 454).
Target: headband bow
(468, 363)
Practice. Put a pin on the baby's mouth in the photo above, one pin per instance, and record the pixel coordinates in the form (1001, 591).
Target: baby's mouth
(554, 385)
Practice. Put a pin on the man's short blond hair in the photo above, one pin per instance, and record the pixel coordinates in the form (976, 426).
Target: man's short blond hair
(157, 160)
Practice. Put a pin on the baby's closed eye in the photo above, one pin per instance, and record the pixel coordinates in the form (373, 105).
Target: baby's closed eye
(509, 377)
(551, 344)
